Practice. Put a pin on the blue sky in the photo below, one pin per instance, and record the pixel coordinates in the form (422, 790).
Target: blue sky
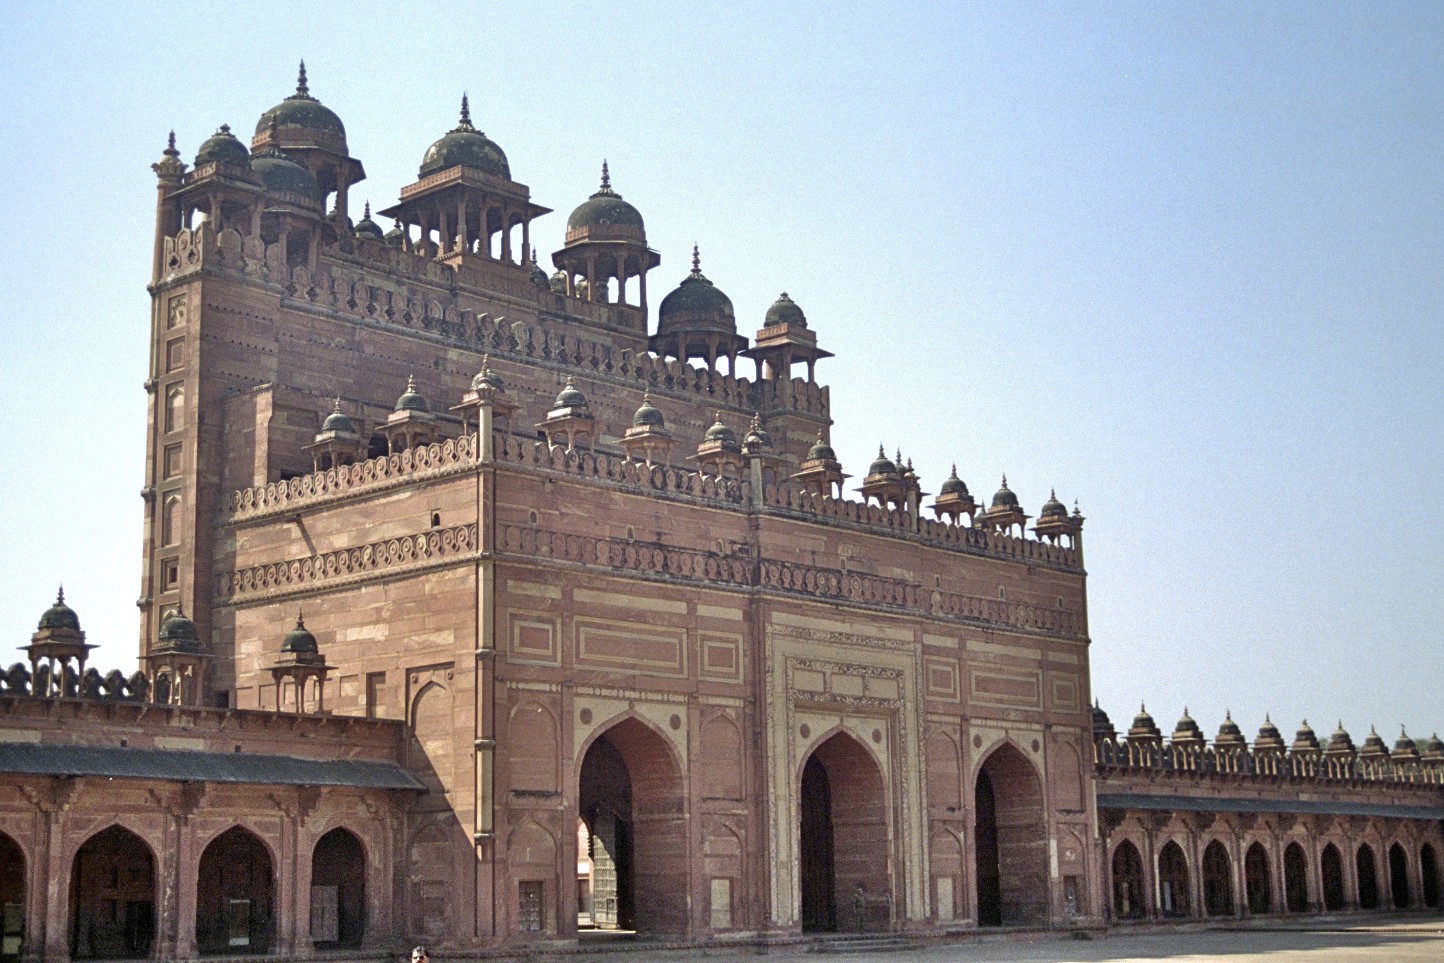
(1179, 261)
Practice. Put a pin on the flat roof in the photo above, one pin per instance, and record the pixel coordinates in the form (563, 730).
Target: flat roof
(1300, 806)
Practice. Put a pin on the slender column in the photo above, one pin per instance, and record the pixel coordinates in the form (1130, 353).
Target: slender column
(447, 235)
(591, 278)
(525, 238)
(506, 235)
(464, 227)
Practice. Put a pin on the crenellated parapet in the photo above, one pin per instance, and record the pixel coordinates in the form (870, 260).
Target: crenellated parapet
(1121, 756)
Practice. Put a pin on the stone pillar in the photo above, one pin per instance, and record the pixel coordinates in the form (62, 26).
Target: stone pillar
(506, 235)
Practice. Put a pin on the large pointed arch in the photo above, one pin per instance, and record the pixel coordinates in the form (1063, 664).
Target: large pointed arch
(1010, 840)
(338, 890)
(1217, 880)
(1127, 872)
(112, 897)
(1399, 876)
(1257, 879)
(235, 895)
(1331, 868)
(843, 839)
(1173, 893)
(12, 899)
(1296, 878)
(1367, 867)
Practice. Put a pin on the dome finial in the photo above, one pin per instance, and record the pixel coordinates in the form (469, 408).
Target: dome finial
(696, 261)
(336, 409)
(60, 594)
(367, 212)
(606, 176)
(301, 87)
(465, 111)
(170, 150)
(1005, 479)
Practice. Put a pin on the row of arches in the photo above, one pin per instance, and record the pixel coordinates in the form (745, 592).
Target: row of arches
(113, 895)
(1375, 885)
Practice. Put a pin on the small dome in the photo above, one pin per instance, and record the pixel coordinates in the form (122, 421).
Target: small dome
(223, 147)
(1053, 508)
(465, 146)
(1305, 738)
(411, 399)
(785, 311)
(1230, 736)
(881, 465)
(720, 432)
(757, 436)
(821, 451)
(570, 396)
(696, 305)
(1340, 741)
(179, 632)
(1374, 747)
(302, 112)
(300, 640)
(60, 615)
(1144, 726)
(279, 173)
(485, 377)
(1404, 747)
(1004, 497)
(338, 422)
(396, 236)
(1269, 736)
(1187, 729)
(647, 415)
(1434, 747)
(368, 228)
(1102, 725)
(606, 208)
(538, 276)
(953, 485)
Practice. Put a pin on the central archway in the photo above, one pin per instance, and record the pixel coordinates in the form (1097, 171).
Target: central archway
(1011, 845)
(843, 839)
(235, 909)
(1368, 871)
(1217, 881)
(112, 897)
(1331, 866)
(1256, 879)
(630, 798)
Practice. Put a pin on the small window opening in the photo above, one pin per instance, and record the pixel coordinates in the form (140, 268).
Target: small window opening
(435, 519)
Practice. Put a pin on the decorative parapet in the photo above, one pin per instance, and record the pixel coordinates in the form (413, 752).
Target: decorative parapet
(111, 687)
(377, 474)
(1109, 754)
(659, 479)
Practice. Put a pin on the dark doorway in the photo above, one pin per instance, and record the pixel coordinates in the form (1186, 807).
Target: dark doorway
(1010, 843)
(1296, 879)
(1256, 879)
(1127, 882)
(112, 897)
(12, 900)
(1217, 881)
(1399, 876)
(234, 908)
(1429, 868)
(338, 891)
(1368, 878)
(1173, 881)
(1331, 865)
(630, 797)
(843, 840)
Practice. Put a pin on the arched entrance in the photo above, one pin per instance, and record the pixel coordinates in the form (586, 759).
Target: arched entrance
(843, 840)
(1429, 869)
(631, 799)
(1399, 876)
(1127, 882)
(1331, 865)
(234, 895)
(112, 897)
(1368, 877)
(1256, 879)
(1296, 879)
(1173, 881)
(12, 899)
(1217, 881)
(1010, 842)
(338, 891)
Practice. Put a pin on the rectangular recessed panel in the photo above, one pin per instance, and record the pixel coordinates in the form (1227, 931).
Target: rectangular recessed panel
(644, 647)
(1006, 688)
(533, 638)
(942, 679)
(721, 656)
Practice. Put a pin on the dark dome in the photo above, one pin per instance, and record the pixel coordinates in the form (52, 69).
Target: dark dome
(720, 432)
(785, 311)
(1229, 734)
(465, 146)
(1187, 729)
(1404, 745)
(605, 208)
(1374, 744)
(953, 485)
(1305, 737)
(648, 416)
(279, 173)
(1269, 736)
(486, 378)
(1053, 508)
(696, 305)
(338, 422)
(881, 465)
(60, 615)
(299, 640)
(411, 399)
(538, 276)
(821, 450)
(224, 147)
(179, 632)
(570, 396)
(1102, 725)
(757, 436)
(395, 236)
(301, 111)
(1143, 725)
(1004, 497)
(1434, 746)
(1341, 741)
(368, 228)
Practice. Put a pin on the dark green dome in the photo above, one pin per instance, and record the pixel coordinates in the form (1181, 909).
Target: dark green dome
(368, 228)
(279, 173)
(605, 208)
(411, 399)
(821, 451)
(538, 276)
(953, 485)
(60, 615)
(1305, 737)
(225, 148)
(785, 311)
(1269, 736)
(300, 640)
(570, 396)
(1374, 744)
(757, 436)
(303, 112)
(395, 236)
(720, 432)
(338, 422)
(1053, 508)
(179, 632)
(647, 415)
(465, 146)
(696, 305)
(1101, 722)
(881, 465)
(1004, 497)
(1340, 741)
(1434, 745)
(1405, 745)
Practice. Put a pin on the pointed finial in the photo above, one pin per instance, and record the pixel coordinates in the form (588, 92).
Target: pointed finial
(60, 595)
(606, 176)
(718, 417)
(366, 214)
(1267, 720)
(301, 87)
(170, 150)
(897, 460)
(1227, 715)
(336, 410)
(696, 261)
(465, 111)
(646, 396)
(1005, 479)
(879, 450)
(411, 382)
(533, 257)
(1142, 707)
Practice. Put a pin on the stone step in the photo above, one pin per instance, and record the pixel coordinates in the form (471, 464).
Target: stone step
(881, 943)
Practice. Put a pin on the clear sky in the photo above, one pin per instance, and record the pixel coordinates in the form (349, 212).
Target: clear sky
(1180, 261)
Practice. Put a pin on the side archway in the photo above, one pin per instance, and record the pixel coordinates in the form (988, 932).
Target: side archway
(338, 891)
(235, 895)
(1368, 869)
(1217, 880)
(1331, 866)
(1256, 877)
(12, 899)
(1127, 882)
(1010, 841)
(1296, 878)
(1399, 876)
(1172, 880)
(112, 897)
(844, 839)
(1429, 870)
